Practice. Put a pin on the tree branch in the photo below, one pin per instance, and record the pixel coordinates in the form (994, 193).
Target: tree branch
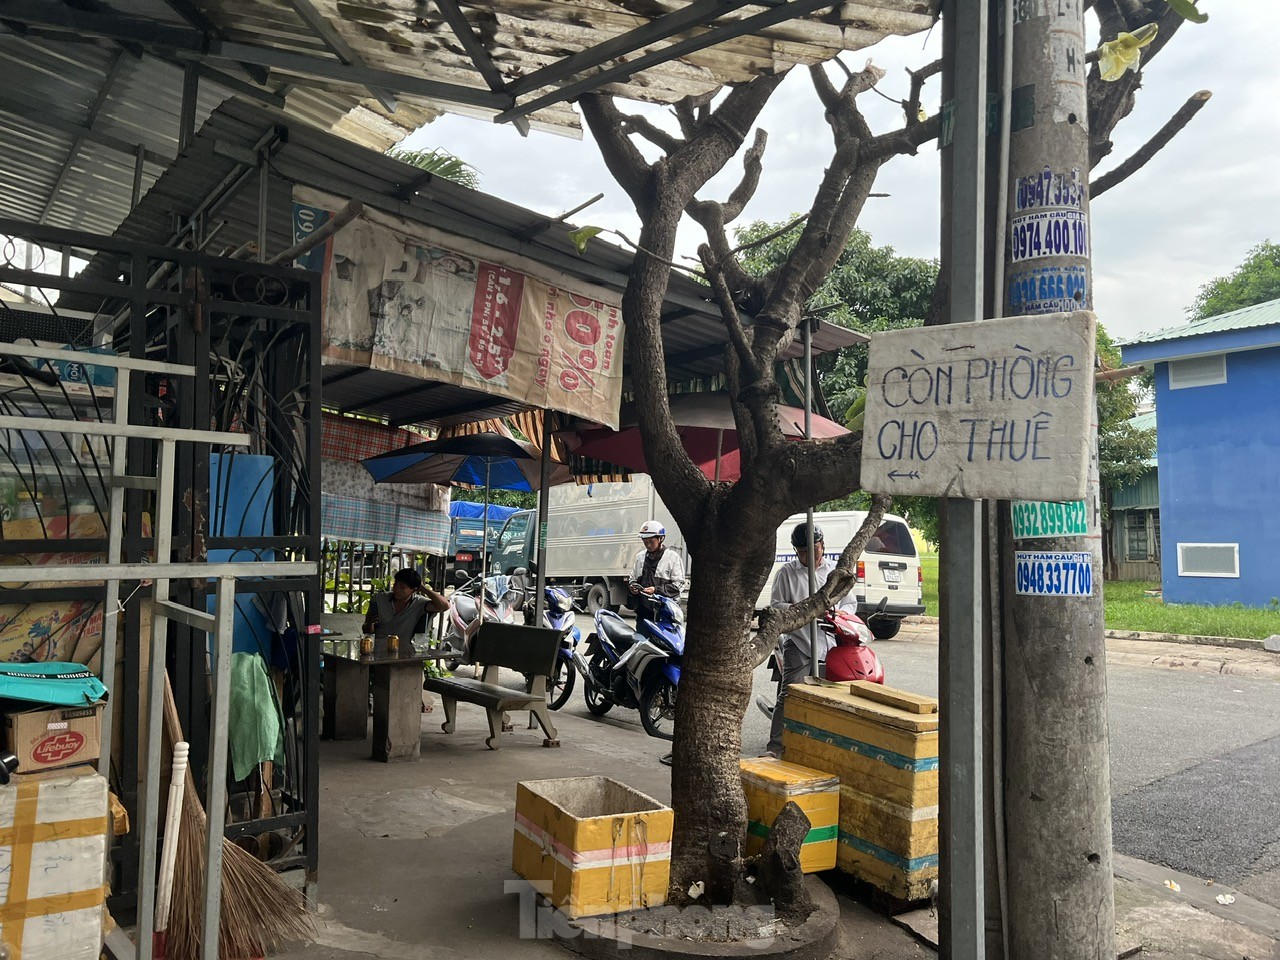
(1143, 154)
(634, 123)
(776, 621)
(624, 161)
(774, 235)
(728, 311)
(746, 188)
(1109, 103)
(918, 77)
(692, 111)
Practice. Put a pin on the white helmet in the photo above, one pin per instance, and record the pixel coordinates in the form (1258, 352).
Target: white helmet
(652, 528)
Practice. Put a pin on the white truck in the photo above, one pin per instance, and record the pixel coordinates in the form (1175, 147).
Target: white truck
(592, 538)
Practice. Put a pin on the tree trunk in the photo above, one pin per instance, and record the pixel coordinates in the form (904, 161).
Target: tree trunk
(715, 691)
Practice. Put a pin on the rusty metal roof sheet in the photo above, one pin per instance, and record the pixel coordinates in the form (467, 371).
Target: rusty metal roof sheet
(693, 333)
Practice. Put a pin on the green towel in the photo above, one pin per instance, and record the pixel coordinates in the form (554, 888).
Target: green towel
(257, 729)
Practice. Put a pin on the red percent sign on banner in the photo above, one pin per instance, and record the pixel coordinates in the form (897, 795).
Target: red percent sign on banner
(584, 329)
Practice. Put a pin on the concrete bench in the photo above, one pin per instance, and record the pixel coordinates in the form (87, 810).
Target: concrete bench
(531, 651)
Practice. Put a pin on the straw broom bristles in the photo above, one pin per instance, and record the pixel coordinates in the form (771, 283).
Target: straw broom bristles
(259, 910)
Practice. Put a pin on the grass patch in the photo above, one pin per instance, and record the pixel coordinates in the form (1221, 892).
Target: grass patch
(929, 568)
(1129, 608)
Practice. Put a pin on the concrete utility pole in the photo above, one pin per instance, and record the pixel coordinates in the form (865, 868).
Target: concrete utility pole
(1057, 784)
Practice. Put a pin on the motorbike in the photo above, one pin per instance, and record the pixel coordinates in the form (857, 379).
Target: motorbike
(637, 668)
(844, 626)
(501, 596)
(558, 614)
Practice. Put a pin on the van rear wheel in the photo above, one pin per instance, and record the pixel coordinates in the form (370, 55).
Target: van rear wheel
(884, 628)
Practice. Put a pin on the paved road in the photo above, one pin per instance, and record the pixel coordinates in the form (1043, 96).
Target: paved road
(1195, 763)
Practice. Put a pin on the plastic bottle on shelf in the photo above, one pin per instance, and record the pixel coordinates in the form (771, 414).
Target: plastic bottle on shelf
(25, 508)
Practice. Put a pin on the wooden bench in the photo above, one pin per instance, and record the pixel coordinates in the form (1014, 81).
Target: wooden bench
(528, 650)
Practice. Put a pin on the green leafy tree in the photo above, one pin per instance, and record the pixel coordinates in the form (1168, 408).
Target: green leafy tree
(870, 289)
(1256, 280)
(440, 162)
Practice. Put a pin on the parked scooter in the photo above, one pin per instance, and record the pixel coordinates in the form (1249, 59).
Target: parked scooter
(849, 630)
(502, 597)
(636, 668)
(558, 614)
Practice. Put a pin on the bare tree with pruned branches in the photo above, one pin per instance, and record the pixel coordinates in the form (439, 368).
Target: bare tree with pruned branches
(730, 528)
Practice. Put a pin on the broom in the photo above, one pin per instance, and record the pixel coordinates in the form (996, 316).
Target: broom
(259, 910)
(168, 854)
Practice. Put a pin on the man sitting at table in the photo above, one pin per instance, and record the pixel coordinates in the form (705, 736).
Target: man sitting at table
(400, 610)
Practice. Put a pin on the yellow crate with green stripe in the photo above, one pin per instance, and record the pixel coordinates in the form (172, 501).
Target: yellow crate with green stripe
(769, 784)
(592, 845)
(883, 747)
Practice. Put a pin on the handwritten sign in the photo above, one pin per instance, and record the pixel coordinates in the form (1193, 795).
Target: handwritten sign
(998, 409)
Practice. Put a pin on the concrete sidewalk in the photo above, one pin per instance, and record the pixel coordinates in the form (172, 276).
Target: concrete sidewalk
(415, 858)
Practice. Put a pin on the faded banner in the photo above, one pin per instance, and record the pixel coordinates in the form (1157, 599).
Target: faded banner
(406, 298)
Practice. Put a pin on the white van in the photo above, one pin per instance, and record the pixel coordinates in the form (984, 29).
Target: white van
(889, 568)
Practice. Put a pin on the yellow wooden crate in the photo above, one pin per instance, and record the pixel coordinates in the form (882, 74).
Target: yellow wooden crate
(883, 745)
(591, 845)
(902, 830)
(905, 885)
(769, 784)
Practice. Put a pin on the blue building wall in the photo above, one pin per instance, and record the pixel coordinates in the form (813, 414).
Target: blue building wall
(1219, 453)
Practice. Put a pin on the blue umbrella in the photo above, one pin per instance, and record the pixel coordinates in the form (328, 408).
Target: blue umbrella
(478, 459)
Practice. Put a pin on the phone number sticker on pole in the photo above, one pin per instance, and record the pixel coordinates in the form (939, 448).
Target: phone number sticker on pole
(1033, 519)
(1054, 574)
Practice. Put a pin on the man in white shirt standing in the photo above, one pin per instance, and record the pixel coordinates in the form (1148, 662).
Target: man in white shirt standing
(656, 570)
(806, 644)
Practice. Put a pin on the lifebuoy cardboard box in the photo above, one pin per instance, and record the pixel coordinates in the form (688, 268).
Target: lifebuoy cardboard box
(47, 738)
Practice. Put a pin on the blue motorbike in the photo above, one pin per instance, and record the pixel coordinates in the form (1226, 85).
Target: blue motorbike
(558, 614)
(637, 668)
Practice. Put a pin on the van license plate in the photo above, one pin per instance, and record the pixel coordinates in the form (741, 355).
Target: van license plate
(892, 576)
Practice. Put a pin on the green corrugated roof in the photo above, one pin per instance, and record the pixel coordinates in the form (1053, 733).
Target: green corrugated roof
(1259, 315)
(1144, 421)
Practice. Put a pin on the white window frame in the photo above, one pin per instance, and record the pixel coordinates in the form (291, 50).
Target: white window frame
(1229, 576)
(1187, 381)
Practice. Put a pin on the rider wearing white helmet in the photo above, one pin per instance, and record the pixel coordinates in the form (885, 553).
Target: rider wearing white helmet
(656, 569)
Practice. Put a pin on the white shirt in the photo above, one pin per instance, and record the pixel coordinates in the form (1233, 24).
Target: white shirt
(668, 576)
(791, 585)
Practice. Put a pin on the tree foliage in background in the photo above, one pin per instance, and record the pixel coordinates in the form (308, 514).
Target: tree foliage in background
(1255, 281)
(440, 162)
(1123, 449)
(870, 289)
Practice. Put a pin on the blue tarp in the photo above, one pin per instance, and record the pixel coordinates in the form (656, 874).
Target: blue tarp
(465, 508)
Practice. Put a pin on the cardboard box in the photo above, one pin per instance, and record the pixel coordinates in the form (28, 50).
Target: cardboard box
(769, 784)
(591, 845)
(48, 738)
(884, 749)
(53, 843)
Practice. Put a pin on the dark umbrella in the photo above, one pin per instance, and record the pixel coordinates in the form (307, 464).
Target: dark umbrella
(488, 460)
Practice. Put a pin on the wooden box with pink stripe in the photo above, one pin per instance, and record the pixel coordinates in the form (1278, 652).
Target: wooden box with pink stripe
(591, 845)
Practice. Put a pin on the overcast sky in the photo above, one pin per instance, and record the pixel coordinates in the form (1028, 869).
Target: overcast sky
(1191, 214)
